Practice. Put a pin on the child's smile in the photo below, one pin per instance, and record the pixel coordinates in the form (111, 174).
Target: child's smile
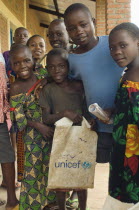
(22, 63)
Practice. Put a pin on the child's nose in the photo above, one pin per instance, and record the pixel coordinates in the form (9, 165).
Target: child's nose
(79, 30)
(37, 46)
(118, 51)
(55, 37)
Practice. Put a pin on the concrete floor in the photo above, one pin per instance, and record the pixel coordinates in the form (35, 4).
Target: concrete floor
(96, 196)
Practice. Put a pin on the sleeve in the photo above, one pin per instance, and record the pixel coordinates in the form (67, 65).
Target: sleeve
(86, 113)
(135, 107)
(17, 112)
(45, 99)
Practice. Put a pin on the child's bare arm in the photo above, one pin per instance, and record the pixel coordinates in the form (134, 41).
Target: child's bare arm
(46, 131)
(52, 118)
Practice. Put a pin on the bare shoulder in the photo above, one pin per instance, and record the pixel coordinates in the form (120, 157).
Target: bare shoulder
(15, 88)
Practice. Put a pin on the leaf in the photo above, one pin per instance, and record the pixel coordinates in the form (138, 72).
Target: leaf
(122, 141)
(133, 196)
(129, 187)
(119, 132)
(121, 116)
(136, 190)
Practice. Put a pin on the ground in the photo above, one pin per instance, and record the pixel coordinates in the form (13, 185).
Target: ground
(96, 196)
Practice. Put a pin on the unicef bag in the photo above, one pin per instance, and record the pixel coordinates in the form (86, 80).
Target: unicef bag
(73, 156)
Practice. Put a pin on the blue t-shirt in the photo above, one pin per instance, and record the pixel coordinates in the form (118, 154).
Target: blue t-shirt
(100, 76)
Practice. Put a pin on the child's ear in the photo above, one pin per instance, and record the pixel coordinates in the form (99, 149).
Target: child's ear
(94, 21)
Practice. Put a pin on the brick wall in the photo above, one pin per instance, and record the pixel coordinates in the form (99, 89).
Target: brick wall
(101, 17)
(118, 11)
(110, 13)
(16, 7)
(3, 33)
(33, 23)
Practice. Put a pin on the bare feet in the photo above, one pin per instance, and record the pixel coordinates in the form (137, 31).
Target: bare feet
(12, 207)
(17, 185)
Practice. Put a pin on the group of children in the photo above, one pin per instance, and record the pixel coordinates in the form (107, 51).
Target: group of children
(89, 74)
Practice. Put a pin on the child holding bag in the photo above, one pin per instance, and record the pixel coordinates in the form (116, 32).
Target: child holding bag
(63, 98)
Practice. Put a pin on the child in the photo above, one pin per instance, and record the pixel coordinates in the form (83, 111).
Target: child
(58, 35)
(27, 114)
(63, 98)
(7, 156)
(21, 36)
(91, 62)
(124, 170)
(37, 46)
(59, 38)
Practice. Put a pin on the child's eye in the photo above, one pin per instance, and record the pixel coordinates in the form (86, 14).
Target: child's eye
(50, 35)
(123, 45)
(42, 46)
(71, 29)
(62, 66)
(111, 48)
(27, 60)
(84, 25)
(16, 63)
(32, 45)
(59, 34)
(51, 67)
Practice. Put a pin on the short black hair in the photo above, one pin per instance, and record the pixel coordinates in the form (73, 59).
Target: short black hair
(16, 47)
(131, 28)
(57, 21)
(36, 35)
(75, 7)
(58, 52)
(20, 28)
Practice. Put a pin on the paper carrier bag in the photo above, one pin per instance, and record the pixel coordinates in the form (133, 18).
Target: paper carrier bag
(114, 204)
(73, 156)
(135, 207)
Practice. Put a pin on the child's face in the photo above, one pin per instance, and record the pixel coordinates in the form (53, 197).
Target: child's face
(57, 68)
(80, 27)
(21, 36)
(58, 35)
(22, 63)
(37, 47)
(123, 47)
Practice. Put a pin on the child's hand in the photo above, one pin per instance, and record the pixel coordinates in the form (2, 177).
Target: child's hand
(73, 116)
(46, 131)
(109, 112)
(92, 122)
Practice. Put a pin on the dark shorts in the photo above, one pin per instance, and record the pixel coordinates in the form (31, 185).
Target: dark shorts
(7, 154)
(104, 147)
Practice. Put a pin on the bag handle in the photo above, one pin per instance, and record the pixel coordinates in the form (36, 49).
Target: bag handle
(65, 122)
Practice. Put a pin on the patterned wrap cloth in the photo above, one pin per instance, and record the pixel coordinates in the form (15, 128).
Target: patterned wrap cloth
(33, 194)
(124, 164)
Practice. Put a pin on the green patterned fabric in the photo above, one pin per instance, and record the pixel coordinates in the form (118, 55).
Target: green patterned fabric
(124, 164)
(37, 150)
